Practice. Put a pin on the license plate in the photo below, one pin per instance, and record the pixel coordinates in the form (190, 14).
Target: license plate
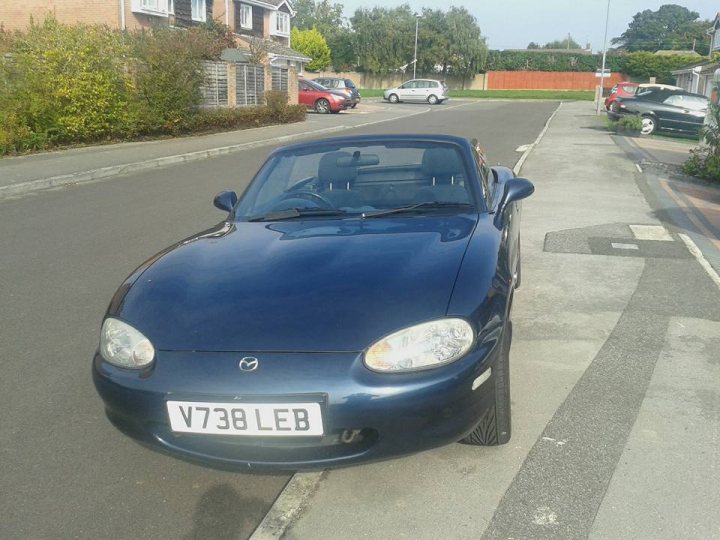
(256, 419)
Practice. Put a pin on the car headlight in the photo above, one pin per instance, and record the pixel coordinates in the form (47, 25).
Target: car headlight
(122, 345)
(423, 346)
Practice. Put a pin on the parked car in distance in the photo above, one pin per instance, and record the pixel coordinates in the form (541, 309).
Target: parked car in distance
(624, 89)
(354, 304)
(344, 85)
(425, 90)
(320, 99)
(629, 89)
(663, 110)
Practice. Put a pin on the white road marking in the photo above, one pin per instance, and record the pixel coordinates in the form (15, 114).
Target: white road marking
(651, 232)
(545, 516)
(523, 148)
(521, 161)
(618, 245)
(692, 247)
(639, 168)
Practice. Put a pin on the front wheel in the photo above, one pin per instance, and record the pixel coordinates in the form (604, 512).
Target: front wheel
(432, 99)
(354, 105)
(494, 426)
(322, 106)
(649, 125)
(393, 98)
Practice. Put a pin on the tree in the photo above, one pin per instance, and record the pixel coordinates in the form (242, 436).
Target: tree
(533, 45)
(567, 43)
(671, 27)
(312, 44)
(467, 47)
(323, 15)
(384, 38)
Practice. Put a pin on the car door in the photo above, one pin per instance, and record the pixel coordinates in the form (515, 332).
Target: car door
(406, 91)
(306, 94)
(687, 112)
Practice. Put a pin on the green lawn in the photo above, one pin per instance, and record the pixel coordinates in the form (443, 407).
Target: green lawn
(579, 95)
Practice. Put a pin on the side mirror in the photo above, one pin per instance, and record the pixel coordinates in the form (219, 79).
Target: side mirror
(516, 189)
(225, 200)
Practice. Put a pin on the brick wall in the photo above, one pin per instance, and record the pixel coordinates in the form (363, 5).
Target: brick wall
(16, 14)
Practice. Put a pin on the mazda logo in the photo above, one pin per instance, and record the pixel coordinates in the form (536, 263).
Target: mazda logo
(249, 363)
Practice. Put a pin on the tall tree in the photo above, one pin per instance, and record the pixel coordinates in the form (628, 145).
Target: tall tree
(467, 47)
(671, 27)
(533, 45)
(567, 43)
(384, 38)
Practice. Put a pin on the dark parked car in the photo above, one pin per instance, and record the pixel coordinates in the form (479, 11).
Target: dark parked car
(320, 99)
(666, 110)
(354, 305)
(344, 85)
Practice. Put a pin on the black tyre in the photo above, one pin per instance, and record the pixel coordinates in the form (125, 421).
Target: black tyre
(494, 427)
(322, 106)
(432, 99)
(649, 125)
(354, 105)
(393, 98)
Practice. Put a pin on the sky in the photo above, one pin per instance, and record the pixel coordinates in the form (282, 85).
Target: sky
(512, 24)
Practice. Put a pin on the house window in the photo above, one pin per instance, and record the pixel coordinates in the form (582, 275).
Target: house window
(246, 16)
(150, 5)
(171, 7)
(198, 10)
(282, 23)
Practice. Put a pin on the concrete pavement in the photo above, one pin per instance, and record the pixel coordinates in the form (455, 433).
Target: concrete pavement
(23, 174)
(616, 417)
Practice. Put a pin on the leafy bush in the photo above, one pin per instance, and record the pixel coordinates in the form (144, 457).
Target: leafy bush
(704, 162)
(311, 43)
(644, 65)
(64, 84)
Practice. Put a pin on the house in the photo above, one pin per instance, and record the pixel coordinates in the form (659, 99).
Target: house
(697, 78)
(260, 26)
(714, 33)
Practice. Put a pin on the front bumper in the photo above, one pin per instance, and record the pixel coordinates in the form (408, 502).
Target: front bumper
(387, 415)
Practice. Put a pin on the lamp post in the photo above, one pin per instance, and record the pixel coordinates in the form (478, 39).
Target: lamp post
(602, 71)
(417, 20)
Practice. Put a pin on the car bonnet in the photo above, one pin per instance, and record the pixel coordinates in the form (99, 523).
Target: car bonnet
(305, 286)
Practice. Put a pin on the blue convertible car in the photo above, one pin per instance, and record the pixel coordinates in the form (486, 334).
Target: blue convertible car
(354, 305)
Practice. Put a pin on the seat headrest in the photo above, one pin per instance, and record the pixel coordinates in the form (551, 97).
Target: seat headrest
(329, 172)
(442, 162)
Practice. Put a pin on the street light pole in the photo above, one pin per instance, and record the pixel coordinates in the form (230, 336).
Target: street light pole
(417, 20)
(602, 71)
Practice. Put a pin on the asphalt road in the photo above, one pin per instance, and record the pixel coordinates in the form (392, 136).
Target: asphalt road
(66, 472)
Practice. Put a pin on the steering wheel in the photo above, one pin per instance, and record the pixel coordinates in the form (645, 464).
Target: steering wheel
(308, 195)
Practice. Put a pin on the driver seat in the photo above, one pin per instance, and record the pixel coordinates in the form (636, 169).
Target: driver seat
(336, 182)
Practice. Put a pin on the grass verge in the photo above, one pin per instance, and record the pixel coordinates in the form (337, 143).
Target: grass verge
(565, 95)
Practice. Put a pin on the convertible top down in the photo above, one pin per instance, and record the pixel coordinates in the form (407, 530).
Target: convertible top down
(354, 305)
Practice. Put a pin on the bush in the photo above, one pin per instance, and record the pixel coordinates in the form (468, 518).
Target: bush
(64, 84)
(704, 162)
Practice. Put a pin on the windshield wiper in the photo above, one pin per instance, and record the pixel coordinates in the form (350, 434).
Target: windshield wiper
(419, 207)
(292, 213)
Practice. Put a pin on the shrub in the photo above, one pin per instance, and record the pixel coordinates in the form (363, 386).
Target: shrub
(311, 43)
(65, 83)
(704, 162)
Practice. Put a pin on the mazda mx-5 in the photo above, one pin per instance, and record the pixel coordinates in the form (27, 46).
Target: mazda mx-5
(355, 304)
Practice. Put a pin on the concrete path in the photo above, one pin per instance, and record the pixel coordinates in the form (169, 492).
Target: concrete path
(615, 359)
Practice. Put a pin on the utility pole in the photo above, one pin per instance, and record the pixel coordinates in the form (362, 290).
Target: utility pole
(602, 70)
(417, 20)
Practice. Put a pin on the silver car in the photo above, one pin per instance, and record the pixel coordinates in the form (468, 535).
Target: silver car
(427, 90)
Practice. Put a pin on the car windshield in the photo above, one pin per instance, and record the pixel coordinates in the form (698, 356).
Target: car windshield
(376, 178)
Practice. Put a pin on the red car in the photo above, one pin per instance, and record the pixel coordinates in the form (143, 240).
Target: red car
(624, 89)
(320, 99)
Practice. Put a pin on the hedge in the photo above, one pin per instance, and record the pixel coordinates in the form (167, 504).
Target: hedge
(641, 65)
(63, 84)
